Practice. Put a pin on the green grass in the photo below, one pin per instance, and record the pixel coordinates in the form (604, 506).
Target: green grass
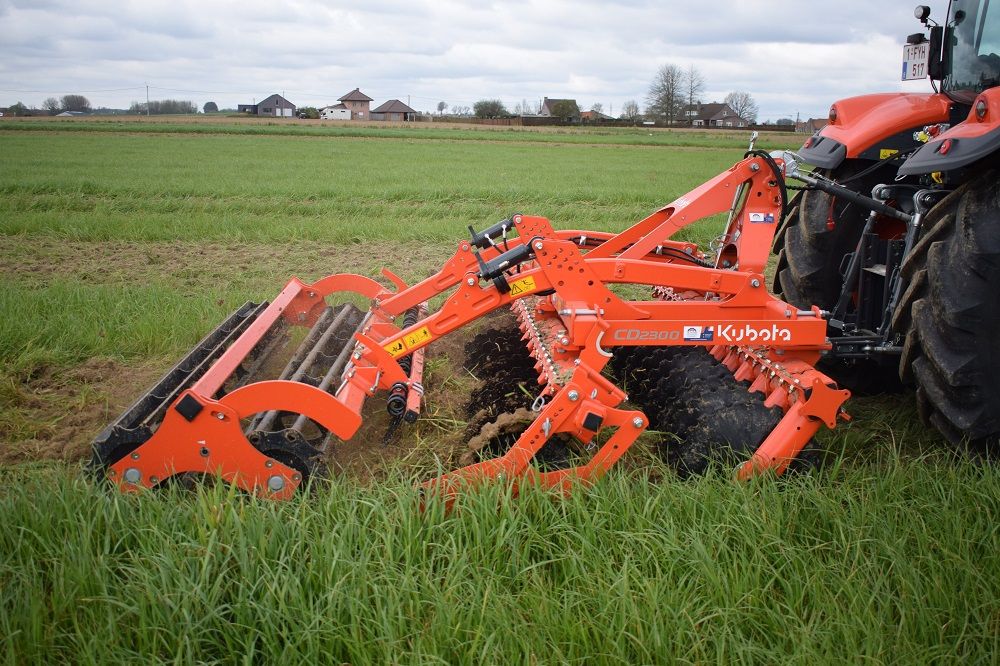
(131, 240)
(279, 188)
(622, 136)
(894, 565)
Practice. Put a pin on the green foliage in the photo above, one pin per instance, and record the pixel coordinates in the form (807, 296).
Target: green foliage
(309, 112)
(210, 107)
(489, 108)
(565, 109)
(18, 109)
(163, 107)
(895, 564)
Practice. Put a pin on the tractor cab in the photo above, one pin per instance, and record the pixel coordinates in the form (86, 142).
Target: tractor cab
(962, 54)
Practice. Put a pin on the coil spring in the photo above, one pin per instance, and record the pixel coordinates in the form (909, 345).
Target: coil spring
(395, 404)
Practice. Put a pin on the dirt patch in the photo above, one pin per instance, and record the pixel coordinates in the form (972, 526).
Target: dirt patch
(39, 261)
(57, 412)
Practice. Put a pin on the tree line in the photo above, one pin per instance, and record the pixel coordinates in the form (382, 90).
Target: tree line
(78, 103)
(675, 93)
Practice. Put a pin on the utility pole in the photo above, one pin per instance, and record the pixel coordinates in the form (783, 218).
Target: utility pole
(407, 100)
(147, 100)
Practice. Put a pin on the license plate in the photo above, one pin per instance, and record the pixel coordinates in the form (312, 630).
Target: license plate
(915, 57)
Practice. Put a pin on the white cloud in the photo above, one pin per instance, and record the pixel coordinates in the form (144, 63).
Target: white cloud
(792, 56)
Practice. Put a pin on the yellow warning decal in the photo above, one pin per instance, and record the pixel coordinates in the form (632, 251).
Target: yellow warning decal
(418, 337)
(525, 285)
(885, 153)
(395, 349)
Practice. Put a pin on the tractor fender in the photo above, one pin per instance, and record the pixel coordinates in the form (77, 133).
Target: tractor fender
(976, 138)
(874, 127)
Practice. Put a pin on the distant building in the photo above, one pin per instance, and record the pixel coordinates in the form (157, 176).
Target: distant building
(274, 106)
(549, 108)
(812, 125)
(71, 114)
(335, 112)
(358, 104)
(716, 114)
(394, 111)
(594, 117)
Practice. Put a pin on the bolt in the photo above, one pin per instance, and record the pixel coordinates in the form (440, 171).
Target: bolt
(755, 283)
(637, 422)
(276, 483)
(788, 313)
(538, 245)
(204, 452)
(220, 416)
(269, 464)
(471, 282)
(564, 340)
(573, 396)
(312, 294)
(755, 167)
(133, 475)
(135, 456)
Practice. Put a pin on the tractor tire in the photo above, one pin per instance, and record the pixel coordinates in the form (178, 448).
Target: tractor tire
(818, 231)
(951, 314)
(816, 235)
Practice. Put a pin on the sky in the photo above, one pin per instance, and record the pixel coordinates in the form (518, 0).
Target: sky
(794, 57)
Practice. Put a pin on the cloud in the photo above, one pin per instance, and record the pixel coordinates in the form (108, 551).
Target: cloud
(792, 56)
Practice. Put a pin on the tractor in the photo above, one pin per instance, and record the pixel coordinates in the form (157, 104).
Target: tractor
(886, 258)
(897, 232)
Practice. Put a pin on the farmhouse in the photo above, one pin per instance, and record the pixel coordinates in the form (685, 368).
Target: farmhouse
(395, 111)
(358, 104)
(716, 114)
(335, 112)
(275, 106)
(594, 117)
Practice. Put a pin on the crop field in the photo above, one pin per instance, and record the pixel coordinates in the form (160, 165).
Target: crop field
(122, 242)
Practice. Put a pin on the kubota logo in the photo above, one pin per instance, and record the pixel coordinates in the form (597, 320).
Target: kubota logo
(748, 333)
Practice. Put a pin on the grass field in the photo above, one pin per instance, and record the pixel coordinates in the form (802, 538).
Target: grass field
(122, 243)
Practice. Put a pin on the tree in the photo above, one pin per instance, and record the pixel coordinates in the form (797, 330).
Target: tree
(744, 105)
(51, 105)
(75, 103)
(210, 107)
(163, 107)
(441, 107)
(694, 86)
(310, 112)
(489, 108)
(665, 96)
(18, 109)
(597, 108)
(784, 122)
(630, 111)
(565, 109)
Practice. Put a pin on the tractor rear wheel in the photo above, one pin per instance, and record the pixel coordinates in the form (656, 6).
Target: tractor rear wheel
(817, 233)
(951, 315)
